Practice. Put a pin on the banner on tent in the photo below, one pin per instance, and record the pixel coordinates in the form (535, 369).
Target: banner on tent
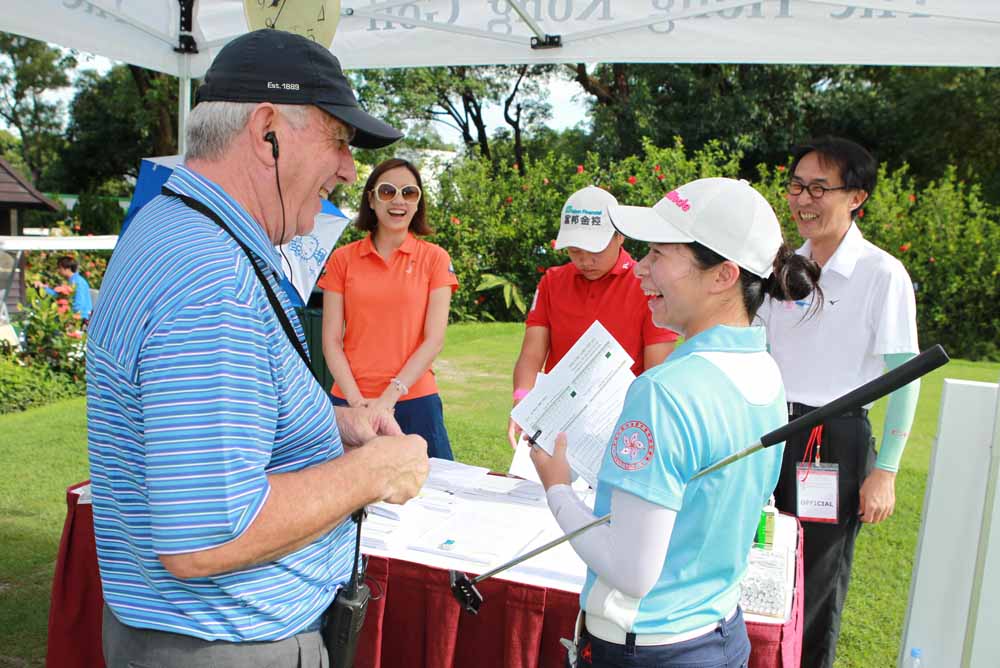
(394, 33)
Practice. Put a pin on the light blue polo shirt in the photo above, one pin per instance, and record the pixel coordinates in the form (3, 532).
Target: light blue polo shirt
(715, 395)
(195, 395)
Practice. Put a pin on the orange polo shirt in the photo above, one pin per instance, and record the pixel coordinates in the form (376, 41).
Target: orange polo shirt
(567, 303)
(385, 305)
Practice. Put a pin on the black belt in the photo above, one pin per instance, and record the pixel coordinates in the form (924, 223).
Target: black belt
(796, 410)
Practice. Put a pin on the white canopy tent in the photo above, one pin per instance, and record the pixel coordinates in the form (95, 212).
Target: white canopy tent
(181, 37)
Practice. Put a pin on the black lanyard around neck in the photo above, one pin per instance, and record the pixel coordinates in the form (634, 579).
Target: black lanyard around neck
(279, 310)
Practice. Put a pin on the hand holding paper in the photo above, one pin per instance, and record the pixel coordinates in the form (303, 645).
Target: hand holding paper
(582, 396)
(552, 469)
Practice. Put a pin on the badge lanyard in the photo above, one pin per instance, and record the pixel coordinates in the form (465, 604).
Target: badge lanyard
(817, 484)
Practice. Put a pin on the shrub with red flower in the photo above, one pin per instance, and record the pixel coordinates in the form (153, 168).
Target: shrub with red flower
(579, 169)
(632, 180)
(53, 337)
(904, 247)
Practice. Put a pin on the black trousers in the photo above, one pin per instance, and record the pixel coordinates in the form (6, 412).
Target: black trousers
(828, 550)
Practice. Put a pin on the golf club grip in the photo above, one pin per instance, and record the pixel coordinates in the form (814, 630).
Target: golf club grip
(904, 374)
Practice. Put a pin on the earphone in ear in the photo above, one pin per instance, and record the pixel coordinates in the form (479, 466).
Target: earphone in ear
(273, 139)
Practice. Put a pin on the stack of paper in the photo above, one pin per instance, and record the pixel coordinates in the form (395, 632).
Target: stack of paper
(583, 397)
(499, 488)
(449, 476)
(391, 525)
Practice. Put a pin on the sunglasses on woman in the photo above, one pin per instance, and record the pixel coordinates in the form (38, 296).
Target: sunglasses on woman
(386, 192)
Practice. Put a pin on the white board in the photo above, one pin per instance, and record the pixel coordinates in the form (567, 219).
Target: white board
(985, 647)
(943, 576)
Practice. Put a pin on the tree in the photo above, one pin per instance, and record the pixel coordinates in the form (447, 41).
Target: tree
(759, 110)
(158, 93)
(456, 97)
(122, 116)
(10, 150)
(28, 70)
(927, 117)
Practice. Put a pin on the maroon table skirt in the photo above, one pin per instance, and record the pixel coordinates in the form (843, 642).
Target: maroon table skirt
(414, 621)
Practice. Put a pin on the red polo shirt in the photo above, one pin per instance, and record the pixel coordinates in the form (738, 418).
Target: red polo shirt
(567, 303)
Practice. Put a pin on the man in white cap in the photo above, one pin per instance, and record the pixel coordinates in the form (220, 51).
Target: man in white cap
(597, 284)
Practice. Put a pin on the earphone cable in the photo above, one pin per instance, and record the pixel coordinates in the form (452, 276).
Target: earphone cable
(281, 200)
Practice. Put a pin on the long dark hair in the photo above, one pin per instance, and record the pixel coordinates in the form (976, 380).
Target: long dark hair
(368, 221)
(793, 276)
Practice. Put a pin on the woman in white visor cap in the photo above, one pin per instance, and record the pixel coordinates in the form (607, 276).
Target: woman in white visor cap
(663, 579)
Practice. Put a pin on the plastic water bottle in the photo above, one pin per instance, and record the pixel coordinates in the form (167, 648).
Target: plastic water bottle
(915, 661)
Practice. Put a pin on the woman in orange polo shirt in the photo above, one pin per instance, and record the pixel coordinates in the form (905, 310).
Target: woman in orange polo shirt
(385, 307)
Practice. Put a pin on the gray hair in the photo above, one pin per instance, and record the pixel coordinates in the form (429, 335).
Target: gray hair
(213, 125)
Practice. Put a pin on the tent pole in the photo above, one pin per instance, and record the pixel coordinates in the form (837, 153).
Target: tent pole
(183, 110)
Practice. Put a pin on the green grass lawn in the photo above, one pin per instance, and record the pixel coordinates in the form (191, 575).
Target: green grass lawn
(45, 451)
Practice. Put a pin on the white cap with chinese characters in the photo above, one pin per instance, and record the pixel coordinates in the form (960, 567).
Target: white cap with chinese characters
(584, 221)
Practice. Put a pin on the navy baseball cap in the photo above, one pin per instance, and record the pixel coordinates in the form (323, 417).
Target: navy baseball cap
(284, 68)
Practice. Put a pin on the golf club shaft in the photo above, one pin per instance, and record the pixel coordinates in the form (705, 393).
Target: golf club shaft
(927, 361)
(891, 381)
(542, 548)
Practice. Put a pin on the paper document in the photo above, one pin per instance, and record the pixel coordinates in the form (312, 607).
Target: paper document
(453, 476)
(582, 396)
(478, 535)
(521, 465)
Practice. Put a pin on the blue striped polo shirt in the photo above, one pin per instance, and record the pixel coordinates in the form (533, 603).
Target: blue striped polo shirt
(194, 396)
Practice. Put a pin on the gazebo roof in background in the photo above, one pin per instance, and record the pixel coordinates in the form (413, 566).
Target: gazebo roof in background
(16, 192)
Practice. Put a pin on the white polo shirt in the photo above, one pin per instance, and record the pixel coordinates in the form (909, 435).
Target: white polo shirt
(869, 311)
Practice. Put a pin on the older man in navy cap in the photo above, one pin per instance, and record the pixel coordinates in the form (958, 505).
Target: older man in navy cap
(223, 479)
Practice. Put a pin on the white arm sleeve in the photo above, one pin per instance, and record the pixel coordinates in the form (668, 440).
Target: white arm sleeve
(639, 530)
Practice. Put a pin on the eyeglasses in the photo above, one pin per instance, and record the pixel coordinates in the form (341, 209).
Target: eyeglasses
(386, 192)
(816, 190)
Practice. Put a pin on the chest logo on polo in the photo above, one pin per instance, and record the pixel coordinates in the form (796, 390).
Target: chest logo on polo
(632, 448)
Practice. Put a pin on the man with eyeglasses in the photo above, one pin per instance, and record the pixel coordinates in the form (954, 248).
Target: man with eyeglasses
(831, 477)
(223, 480)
